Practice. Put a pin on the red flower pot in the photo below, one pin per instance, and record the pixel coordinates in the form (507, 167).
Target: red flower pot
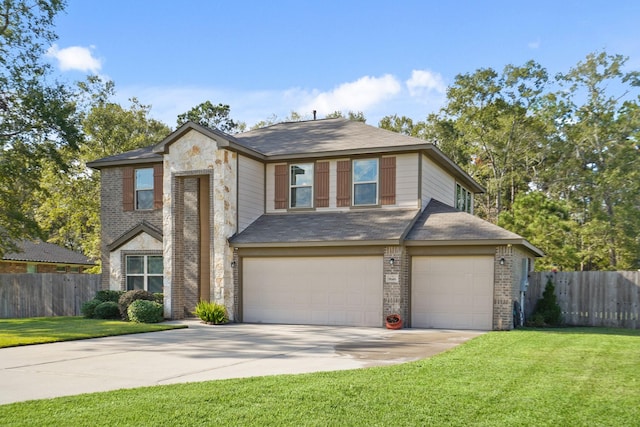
(394, 321)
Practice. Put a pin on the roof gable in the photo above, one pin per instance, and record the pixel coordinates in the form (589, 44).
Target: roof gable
(143, 227)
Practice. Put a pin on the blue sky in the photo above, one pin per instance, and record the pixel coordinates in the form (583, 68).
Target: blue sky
(379, 57)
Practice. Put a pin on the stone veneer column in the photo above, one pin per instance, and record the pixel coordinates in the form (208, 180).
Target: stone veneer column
(396, 283)
(503, 290)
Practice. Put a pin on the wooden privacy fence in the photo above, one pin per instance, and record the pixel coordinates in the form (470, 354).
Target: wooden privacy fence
(45, 294)
(591, 298)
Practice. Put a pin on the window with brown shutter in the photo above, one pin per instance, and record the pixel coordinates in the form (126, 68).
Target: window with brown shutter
(322, 184)
(388, 181)
(343, 197)
(157, 186)
(281, 187)
(127, 188)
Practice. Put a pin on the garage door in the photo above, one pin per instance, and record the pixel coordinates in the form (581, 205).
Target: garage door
(313, 291)
(454, 292)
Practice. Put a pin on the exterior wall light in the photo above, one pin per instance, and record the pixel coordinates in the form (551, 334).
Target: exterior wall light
(392, 261)
(502, 261)
(233, 264)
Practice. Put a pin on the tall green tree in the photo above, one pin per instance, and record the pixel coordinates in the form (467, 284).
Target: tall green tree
(37, 115)
(212, 116)
(490, 124)
(593, 161)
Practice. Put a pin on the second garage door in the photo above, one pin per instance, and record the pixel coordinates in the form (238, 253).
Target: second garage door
(453, 292)
(313, 290)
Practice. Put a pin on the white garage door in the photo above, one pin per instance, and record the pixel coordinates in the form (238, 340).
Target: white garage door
(313, 291)
(454, 292)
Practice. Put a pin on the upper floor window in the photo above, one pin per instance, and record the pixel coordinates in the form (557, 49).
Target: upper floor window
(144, 188)
(365, 182)
(301, 185)
(144, 272)
(463, 199)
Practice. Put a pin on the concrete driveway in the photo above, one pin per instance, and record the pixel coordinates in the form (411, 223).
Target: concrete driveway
(202, 353)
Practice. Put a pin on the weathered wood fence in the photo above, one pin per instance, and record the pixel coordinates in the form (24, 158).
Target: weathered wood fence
(46, 294)
(591, 298)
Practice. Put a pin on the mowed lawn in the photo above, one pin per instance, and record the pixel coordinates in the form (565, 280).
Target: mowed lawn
(564, 377)
(40, 330)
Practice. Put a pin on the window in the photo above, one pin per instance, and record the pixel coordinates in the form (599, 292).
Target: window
(301, 185)
(365, 182)
(61, 269)
(144, 272)
(144, 189)
(32, 268)
(463, 199)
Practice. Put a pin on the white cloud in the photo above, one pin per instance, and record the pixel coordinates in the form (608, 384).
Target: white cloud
(534, 44)
(424, 81)
(76, 58)
(359, 95)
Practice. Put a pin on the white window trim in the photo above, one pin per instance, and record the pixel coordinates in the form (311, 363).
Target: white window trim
(467, 203)
(354, 183)
(136, 190)
(144, 274)
(292, 186)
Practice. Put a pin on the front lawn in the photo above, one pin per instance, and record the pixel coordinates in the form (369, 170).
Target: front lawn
(575, 377)
(40, 330)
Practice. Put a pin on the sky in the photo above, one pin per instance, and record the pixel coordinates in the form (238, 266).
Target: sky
(267, 58)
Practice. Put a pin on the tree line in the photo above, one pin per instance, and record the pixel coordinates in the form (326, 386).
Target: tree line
(558, 155)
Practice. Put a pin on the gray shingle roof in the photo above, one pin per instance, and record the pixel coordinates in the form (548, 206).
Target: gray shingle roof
(342, 227)
(321, 136)
(440, 222)
(140, 155)
(38, 251)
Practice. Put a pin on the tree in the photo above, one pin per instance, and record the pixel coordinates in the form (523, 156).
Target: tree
(593, 161)
(547, 224)
(490, 119)
(403, 125)
(36, 117)
(353, 116)
(71, 218)
(211, 116)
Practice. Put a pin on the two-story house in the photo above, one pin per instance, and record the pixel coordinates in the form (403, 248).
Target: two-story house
(329, 222)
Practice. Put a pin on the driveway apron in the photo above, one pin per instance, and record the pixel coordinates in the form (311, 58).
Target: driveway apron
(202, 352)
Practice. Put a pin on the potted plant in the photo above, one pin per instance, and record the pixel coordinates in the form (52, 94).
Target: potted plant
(394, 321)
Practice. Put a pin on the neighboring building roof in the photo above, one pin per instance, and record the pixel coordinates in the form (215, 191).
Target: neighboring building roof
(441, 224)
(356, 227)
(38, 251)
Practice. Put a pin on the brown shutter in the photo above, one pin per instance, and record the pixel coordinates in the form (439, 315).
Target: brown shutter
(388, 181)
(157, 186)
(321, 184)
(282, 184)
(343, 198)
(127, 189)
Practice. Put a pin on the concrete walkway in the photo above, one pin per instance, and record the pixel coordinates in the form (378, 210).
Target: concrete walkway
(203, 352)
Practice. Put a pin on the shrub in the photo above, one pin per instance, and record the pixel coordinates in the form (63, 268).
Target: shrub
(547, 307)
(130, 296)
(108, 295)
(159, 297)
(212, 312)
(144, 311)
(107, 310)
(88, 308)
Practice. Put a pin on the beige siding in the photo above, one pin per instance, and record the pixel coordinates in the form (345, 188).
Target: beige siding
(250, 191)
(407, 180)
(270, 188)
(437, 183)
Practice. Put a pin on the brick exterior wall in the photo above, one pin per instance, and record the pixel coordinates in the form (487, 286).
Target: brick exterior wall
(503, 291)
(191, 247)
(114, 220)
(21, 267)
(396, 283)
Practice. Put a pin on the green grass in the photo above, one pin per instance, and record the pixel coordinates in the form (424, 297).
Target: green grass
(568, 377)
(40, 330)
